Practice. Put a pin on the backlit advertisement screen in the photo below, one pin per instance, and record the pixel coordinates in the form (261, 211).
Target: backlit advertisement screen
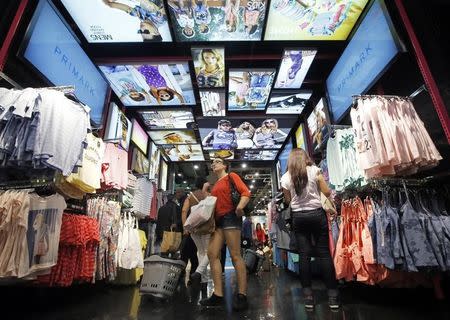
(287, 102)
(300, 137)
(209, 65)
(229, 134)
(317, 124)
(312, 19)
(372, 48)
(294, 67)
(118, 127)
(153, 84)
(187, 152)
(105, 21)
(155, 160)
(259, 155)
(284, 155)
(139, 137)
(249, 90)
(214, 20)
(53, 50)
(222, 154)
(167, 119)
(173, 137)
(213, 103)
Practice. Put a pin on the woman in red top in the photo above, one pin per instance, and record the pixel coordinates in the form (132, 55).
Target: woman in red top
(228, 228)
(260, 234)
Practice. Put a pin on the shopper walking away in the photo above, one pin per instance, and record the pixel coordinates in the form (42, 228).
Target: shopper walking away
(302, 185)
(188, 247)
(167, 220)
(201, 239)
(228, 228)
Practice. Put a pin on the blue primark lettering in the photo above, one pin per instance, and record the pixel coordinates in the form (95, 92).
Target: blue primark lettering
(73, 69)
(354, 69)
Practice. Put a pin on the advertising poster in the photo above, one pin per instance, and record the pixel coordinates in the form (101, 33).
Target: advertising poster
(186, 152)
(300, 137)
(249, 90)
(53, 50)
(151, 84)
(372, 48)
(213, 103)
(173, 137)
(317, 124)
(242, 134)
(118, 127)
(139, 137)
(209, 65)
(294, 67)
(222, 154)
(163, 176)
(155, 158)
(140, 163)
(312, 19)
(167, 119)
(103, 21)
(259, 155)
(287, 103)
(217, 20)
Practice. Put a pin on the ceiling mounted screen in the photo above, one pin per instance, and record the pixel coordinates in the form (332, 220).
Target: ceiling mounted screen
(282, 102)
(191, 152)
(213, 103)
(294, 67)
(368, 54)
(155, 84)
(229, 134)
(226, 20)
(173, 137)
(249, 89)
(103, 21)
(209, 65)
(167, 119)
(312, 19)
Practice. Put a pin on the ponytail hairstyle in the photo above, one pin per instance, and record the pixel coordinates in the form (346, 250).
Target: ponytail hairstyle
(297, 163)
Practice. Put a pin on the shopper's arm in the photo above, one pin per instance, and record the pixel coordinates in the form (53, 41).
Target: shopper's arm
(287, 196)
(323, 186)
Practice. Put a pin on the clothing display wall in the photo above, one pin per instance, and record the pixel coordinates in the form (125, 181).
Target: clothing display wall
(378, 239)
(391, 139)
(42, 128)
(29, 233)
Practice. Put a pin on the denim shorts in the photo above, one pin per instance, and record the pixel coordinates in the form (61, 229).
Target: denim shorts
(229, 221)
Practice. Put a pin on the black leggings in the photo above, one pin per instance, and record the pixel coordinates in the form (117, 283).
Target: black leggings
(309, 226)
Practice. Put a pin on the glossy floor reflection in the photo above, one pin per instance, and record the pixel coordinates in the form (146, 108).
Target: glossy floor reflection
(272, 295)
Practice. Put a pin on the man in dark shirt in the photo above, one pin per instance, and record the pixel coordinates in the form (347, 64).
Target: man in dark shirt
(247, 232)
(167, 219)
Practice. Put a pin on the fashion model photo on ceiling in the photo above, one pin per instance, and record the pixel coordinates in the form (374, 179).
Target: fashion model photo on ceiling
(312, 19)
(249, 90)
(120, 20)
(283, 102)
(173, 137)
(217, 20)
(209, 65)
(167, 119)
(191, 152)
(258, 155)
(242, 134)
(293, 69)
(222, 154)
(151, 84)
(213, 103)
(317, 124)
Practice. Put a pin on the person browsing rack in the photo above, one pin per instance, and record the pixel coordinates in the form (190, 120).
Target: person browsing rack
(228, 228)
(302, 185)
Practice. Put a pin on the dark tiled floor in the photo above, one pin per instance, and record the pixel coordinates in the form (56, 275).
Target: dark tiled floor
(274, 295)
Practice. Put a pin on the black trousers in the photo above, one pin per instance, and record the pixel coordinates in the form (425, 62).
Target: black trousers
(189, 252)
(312, 226)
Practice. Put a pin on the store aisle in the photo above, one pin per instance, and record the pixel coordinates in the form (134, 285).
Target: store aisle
(274, 295)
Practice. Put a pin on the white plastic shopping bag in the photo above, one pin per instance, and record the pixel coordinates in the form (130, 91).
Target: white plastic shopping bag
(200, 213)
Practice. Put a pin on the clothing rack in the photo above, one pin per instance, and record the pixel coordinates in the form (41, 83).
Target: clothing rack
(28, 184)
(411, 96)
(418, 91)
(65, 89)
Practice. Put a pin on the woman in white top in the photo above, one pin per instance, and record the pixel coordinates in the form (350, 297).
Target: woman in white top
(302, 185)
